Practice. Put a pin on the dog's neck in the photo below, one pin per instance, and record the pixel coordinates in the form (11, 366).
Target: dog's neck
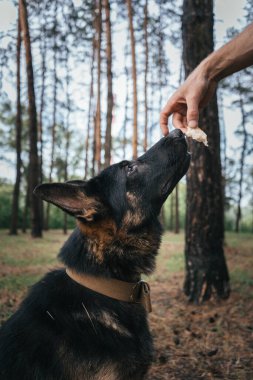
(112, 253)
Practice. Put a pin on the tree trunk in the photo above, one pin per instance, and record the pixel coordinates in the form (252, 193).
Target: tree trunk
(26, 208)
(43, 48)
(36, 225)
(172, 211)
(53, 130)
(134, 78)
(124, 128)
(176, 210)
(160, 58)
(145, 145)
(90, 112)
(223, 153)
(16, 190)
(242, 162)
(98, 109)
(67, 135)
(108, 134)
(206, 268)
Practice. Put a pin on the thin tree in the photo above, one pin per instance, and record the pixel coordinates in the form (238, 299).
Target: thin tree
(242, 158)
(55, 89)
(125, 119)
(26, 206)
(177, 221)
(177, 226)
(90, 110)
(36, 225)
(134, 79)
(206, 268)
(43, 52)
(67, 132)
(108, 133)
(172, 211)
(98, 106)
(223, 145)
(16, 190)
(146, 44)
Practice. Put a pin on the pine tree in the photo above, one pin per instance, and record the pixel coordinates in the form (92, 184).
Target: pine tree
(206, 268)
(134, 79)
(16, 190)
(108, 137)
(36, 225)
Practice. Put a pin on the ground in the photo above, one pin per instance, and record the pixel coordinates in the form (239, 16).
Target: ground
(212, 341)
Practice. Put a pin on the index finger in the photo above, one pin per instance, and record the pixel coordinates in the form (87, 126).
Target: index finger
(164, 116)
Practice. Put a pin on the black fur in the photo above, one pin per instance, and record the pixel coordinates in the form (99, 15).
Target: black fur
(65, 331)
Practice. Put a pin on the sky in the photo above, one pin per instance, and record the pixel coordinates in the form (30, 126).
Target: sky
(228, 14)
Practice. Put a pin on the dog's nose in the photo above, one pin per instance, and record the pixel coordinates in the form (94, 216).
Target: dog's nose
(176, 133)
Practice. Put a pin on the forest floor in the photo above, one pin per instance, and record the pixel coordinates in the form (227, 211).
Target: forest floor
(212, 341)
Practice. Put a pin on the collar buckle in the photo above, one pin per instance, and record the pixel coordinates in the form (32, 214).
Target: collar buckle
(141, 294)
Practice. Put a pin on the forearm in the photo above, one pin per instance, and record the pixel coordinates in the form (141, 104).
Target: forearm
(230, 58)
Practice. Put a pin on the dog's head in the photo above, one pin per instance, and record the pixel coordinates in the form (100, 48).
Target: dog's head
(117, 210)
(130, 193)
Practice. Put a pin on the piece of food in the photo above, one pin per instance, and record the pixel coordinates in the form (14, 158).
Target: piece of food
(197, 134)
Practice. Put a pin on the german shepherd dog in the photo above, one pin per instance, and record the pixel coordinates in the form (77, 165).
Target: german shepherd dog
(64, 330)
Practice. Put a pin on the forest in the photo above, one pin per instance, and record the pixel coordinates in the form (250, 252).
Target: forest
(82, 86)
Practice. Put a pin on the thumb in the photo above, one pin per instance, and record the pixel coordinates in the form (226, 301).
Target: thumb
(192, 113)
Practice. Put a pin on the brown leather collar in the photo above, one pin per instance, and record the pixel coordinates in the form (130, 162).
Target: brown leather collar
(133, 292)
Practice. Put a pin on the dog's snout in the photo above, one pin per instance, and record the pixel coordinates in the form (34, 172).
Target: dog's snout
(176, 133)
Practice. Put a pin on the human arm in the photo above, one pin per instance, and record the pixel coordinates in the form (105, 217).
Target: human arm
(200, 85)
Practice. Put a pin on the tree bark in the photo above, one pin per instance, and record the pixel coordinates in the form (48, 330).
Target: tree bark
(108, 133)
(53, 130)
(90, 112)
(134, 78)
(172, 211)
(16, 190)
(242, 161)
(176, 230)
(124, 127)
(67, 135)
(43, 48)
(36, 225)
(223, 152)
(98, 109)
(26, 208)
(145, 145)
(206, 268)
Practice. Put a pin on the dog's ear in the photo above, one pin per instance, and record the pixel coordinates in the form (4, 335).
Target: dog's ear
(72, 198)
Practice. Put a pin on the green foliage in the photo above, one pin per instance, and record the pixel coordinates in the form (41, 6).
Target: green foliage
(5, 205)
(56, 218)
(6, 190)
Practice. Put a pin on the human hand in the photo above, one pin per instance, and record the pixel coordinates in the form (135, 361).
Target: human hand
(185, 103)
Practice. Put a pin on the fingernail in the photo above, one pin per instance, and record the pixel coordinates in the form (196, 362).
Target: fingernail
(192, 124)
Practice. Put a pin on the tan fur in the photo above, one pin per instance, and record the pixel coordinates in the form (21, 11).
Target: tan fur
(108, 372)
(100, 234)
(90, 206)
(103, 235)
(110, 321)
(75, 371)
(134, 216)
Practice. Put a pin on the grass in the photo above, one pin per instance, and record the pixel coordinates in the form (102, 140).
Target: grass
(213, 341)
(23, 260)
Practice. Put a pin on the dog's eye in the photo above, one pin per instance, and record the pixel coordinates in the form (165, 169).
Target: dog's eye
(131, 169)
